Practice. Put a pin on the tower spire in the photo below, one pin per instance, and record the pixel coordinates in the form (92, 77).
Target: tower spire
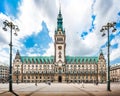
(59, 20)
(17, 55)
(101, 52)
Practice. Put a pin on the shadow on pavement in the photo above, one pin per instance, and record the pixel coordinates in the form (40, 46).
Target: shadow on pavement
(7, 92)
(89, 93)
(14, 93)
(34, 91)
(3, 92)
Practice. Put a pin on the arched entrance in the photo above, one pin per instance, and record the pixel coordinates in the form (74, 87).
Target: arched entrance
(59, 78)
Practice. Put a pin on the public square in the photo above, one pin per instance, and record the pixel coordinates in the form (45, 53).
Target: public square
(60, 89)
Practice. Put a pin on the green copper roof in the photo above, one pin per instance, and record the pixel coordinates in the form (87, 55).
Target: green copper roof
(50, 60)
(37, 59)
(59, 23)
(71, 60)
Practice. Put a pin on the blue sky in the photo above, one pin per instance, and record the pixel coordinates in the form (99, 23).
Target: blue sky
(82, 20)
(9, 7)
(40, 40)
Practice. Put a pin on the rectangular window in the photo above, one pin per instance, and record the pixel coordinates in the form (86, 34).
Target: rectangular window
(24, 77)
(59, 39)
(56, 69)
(28, 77)
(87, 77)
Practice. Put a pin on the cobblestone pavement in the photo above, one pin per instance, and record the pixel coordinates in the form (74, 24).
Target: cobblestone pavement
(59, 89)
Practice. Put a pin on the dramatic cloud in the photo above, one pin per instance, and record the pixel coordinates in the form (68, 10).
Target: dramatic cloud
(82, 20)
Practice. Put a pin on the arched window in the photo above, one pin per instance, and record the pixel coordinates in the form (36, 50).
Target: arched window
(74, 65)
(28, 65)
(60, 56)
(82, 65)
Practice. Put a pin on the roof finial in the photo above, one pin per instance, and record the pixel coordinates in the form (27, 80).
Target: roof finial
(17, 55)
(101, 52)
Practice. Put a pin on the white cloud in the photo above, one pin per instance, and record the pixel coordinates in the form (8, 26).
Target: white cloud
(50, 51)
(107, 12)
(4, 40)
(76, 19)
(115, 53)
(30, 18)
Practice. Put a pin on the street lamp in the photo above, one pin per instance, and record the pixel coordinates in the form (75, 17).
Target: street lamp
(36, 75)
(17, 74)
(107, 27)
(15, 28)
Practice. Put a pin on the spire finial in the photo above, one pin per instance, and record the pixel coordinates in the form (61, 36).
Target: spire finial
(101, 52)
(17, 52)
(59, 6)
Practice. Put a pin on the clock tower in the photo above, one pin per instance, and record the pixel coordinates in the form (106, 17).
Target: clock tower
(59, 44)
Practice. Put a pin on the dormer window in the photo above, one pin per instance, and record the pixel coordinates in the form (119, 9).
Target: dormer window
(17, 60)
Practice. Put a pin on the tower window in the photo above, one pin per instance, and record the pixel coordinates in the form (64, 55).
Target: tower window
(17, 60)
(60, 32)
(59, 47)
(59, 39)
(59, 56)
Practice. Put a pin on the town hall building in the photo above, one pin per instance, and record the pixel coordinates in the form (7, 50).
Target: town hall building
(60, 67)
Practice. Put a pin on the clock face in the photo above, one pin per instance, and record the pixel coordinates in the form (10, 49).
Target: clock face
(59, 47)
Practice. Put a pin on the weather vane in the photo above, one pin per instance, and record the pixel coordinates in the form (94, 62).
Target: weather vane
(59, 5)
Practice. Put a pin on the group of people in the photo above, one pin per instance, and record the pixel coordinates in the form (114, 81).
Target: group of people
(82, 85)
(49, 83)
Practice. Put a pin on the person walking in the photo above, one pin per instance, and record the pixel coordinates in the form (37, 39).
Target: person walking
(96, 82)
(82, 84)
